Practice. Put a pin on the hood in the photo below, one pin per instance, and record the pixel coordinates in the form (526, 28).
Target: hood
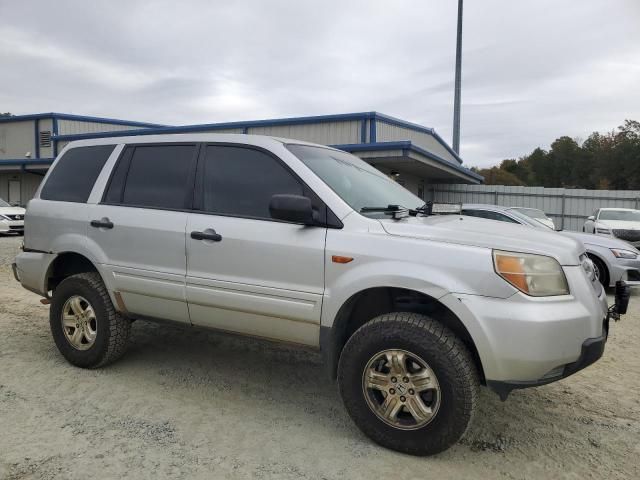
(12, 211)
(489, 234)
(620, 224)
(599, 240)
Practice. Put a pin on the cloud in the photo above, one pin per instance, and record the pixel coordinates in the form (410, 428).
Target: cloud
(531, 70)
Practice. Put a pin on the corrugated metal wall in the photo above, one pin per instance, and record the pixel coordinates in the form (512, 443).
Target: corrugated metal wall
(70, 127)
(16, 139)
(569, 208)
(327, 133)
(386, 132)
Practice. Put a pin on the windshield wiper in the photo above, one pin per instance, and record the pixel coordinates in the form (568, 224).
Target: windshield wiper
(396, 211)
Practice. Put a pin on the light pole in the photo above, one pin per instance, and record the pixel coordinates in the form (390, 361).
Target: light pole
(456, 99)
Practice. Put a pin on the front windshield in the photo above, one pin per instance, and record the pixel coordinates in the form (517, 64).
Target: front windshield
(355, 181)
(531, 212)
(3, 203)
(624, 215)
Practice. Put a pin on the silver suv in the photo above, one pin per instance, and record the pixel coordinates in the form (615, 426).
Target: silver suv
(306, 244)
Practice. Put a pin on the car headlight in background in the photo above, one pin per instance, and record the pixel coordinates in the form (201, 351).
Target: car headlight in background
(620, 253)
(535, 275)
(605, 231)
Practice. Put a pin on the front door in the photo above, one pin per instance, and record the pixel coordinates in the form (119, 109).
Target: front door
(139, 228)
(246, 272)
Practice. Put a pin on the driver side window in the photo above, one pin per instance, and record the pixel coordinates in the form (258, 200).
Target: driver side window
(240, 181)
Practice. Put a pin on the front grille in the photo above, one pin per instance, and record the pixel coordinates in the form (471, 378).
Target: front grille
(628, 235)
(15, 217)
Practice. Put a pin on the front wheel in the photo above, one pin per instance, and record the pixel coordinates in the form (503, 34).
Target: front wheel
(408, 383)
(601, 271)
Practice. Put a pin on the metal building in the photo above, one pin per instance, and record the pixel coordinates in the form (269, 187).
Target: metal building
(414, 155)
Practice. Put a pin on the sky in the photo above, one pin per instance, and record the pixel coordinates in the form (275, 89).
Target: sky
(532, 70)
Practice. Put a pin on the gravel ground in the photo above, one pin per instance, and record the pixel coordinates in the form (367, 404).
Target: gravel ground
(191, 404)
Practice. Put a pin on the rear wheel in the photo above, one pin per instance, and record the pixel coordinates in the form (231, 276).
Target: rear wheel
(85, 327)
(408, 383)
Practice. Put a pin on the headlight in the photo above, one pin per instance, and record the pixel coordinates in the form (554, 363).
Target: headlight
(620, 253)
(535, 275)
(4, 219)
(606, 231)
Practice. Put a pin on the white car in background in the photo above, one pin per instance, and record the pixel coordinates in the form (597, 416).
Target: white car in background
(11, 218)
(536, 214)
(622, 223)
(613, 259)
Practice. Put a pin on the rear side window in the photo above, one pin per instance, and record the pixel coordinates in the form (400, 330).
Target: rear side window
(156, 176)
(75, 173)
(241, 181)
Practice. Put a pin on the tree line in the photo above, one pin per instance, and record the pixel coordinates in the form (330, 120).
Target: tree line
(604, 161)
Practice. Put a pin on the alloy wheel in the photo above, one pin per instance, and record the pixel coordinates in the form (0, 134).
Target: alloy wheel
(401, 389)
(79, 322)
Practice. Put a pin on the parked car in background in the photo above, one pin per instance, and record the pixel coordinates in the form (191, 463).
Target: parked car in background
(623, 223)
(536, 214)
(11, 218)
(613, 259)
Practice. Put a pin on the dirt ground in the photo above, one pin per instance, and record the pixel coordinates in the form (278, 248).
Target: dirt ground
(184, 403)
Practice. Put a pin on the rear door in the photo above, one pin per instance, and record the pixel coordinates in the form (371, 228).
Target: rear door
(139, 228)
(247, 272)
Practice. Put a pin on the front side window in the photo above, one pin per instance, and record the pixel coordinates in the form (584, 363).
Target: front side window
(73, 176)
(240, 181)
(359, 184)
(156, 176)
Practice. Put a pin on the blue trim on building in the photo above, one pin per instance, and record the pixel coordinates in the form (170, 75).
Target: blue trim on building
(373, 117)
(151, 128)
(25, 162)
(79, 118)
(54, 135)
(406, 146)
(372, 128)
(36, 137)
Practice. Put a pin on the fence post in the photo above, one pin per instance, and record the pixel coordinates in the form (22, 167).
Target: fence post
(564, 197)
(495, 198)
(637, 199)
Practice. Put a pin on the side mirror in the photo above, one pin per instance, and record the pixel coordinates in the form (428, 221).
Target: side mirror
(591, 217)
(292, 208)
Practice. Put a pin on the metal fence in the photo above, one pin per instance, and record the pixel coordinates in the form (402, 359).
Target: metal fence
(569, 208)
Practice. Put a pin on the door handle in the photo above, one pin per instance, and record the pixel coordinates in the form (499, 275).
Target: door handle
(102, 223)
(208, 234)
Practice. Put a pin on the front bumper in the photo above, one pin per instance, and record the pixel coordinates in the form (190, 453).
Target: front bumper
(592, 350)
(12, 226)
(528, 341)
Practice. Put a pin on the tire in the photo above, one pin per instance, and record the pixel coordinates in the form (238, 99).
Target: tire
(106, 333)
(602, 270)
(422, 339)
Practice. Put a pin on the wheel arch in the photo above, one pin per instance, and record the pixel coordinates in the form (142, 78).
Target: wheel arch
(369, 303)
(66, 264)
(607, 270)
